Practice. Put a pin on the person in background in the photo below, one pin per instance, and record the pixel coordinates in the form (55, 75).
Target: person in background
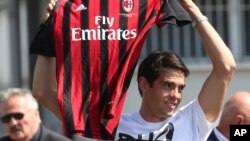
(236, 111)
(21, 119)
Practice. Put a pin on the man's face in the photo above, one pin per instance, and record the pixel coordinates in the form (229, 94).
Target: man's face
(164, 96)
(19, 127)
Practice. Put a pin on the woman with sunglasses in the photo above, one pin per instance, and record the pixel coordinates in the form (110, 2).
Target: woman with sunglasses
(20, 117)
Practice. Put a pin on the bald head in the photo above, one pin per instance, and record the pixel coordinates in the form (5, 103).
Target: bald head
(236, 111)
(239, 103)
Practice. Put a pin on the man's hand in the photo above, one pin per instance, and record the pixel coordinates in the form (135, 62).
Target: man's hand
(50, 7)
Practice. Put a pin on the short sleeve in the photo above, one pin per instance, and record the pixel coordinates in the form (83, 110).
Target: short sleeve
(172, 12)
(43, 43)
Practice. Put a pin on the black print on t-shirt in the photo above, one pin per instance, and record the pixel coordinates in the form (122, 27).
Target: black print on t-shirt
(167, 132)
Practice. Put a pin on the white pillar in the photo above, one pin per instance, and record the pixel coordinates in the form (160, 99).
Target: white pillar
(235, 28)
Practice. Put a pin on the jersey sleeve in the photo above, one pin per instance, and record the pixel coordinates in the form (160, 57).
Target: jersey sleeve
(43, 43)
(171, 12)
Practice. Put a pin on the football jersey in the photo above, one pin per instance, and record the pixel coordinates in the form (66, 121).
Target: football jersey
(97, 44)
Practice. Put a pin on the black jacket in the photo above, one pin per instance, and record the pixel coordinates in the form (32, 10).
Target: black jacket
(212, 137)
(46, 135)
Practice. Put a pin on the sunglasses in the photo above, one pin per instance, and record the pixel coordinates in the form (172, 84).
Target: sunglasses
(16, 116)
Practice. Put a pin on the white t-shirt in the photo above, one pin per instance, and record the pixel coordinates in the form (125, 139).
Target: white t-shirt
(190, 124)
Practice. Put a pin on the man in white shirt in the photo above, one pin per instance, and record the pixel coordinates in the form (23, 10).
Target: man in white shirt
(236, 112)
(161, 79)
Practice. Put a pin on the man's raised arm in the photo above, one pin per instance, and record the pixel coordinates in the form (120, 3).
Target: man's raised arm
(44, 83)
(212, 94)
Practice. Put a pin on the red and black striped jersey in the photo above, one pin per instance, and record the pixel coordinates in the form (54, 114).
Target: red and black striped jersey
(97, 44)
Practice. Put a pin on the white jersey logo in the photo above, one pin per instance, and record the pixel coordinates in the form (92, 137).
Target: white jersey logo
(127, 5)
(99, 33)
(81, 7)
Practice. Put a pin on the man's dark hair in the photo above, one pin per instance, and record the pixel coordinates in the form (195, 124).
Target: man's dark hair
(156, 62)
